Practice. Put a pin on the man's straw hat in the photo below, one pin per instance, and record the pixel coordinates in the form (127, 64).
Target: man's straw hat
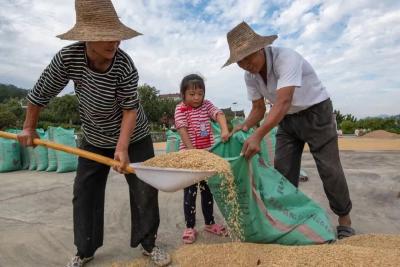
(97, 20)
(243, 41)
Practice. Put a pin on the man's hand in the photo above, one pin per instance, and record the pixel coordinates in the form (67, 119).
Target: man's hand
(123, 157)
(26, 137)
(239, 127)
(251, 146)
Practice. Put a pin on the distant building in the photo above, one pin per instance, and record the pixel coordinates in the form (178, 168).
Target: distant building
(229, 112)
(175, 97)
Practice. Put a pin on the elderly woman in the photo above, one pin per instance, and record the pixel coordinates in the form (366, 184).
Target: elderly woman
(113, 124)
(301, 107)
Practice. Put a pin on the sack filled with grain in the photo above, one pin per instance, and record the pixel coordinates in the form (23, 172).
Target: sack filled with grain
(272, 209)
(10, 158)
(41, 153)
(51, 153)
(66, 162)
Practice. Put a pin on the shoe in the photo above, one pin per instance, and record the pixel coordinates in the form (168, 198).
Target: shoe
(78, 262)
(158, 256)
(344, 231)
(189, 236)
(216, 229)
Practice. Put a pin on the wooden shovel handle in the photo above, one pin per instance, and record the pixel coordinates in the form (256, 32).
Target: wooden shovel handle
(72, 150)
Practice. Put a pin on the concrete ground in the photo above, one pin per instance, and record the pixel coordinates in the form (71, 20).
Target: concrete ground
(36, 210)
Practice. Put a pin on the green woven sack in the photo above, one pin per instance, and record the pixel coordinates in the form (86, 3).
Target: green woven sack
(272, 209)
(235, 121)
(173, 141)
(32, 159)
(51, 153)
(65, 162)
(40, 152)
(10, 158)
(23, 151)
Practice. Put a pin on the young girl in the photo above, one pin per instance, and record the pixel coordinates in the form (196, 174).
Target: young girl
(192, 119)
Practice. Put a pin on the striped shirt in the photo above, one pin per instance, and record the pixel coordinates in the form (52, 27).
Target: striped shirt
(102, 96)
(197, 123)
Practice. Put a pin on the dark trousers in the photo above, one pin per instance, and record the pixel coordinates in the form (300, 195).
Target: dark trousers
(189, 204)
(88, 200)
(316, 127)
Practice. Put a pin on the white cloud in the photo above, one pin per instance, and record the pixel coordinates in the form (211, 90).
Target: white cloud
(353, 45)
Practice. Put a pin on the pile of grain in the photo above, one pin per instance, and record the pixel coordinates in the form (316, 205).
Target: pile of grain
(379, 241)
(361, 250)
(198, 159)
(381, 134)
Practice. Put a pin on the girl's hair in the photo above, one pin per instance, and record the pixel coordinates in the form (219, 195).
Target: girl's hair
(191, 81)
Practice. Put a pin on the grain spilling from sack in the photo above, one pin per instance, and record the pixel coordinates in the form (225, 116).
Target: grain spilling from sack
(198, 159)
(361, 250)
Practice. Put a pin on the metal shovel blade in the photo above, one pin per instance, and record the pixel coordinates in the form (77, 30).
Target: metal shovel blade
(170, 179)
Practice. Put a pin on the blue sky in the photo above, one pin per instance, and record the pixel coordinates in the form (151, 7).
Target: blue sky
(354, 46)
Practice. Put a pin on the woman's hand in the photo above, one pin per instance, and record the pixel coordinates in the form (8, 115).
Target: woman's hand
(251, 146)
(26, 137)
(123, 157)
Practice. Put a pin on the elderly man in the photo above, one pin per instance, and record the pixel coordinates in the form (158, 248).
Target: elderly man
(113, 123)
(301, 107)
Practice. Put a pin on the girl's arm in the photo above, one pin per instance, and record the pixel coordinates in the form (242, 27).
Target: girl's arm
(224, 126)
(217, 115)
(185, 137)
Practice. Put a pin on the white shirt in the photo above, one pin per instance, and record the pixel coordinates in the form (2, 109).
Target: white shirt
(286, 67)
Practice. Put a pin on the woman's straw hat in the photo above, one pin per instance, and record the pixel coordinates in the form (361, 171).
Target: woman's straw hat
(97, 20)
(243, 41)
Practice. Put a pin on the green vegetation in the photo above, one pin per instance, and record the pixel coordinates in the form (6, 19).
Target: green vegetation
(63, 111)
(158, 111)
(348, 123)
(8, 91)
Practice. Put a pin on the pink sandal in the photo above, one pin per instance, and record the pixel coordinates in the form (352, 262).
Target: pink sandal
(216, 229)
(189, 236)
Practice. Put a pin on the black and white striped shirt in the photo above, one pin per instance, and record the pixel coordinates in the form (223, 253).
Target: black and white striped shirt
(101, 96)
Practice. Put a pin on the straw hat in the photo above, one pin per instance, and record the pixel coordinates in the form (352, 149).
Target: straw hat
(97, 20)
(243, 41)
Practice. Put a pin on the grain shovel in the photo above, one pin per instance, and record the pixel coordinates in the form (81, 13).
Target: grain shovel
(164, 179)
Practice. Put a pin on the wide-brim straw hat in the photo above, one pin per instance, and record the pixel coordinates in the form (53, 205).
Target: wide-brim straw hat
(243, 41)
(97, 20)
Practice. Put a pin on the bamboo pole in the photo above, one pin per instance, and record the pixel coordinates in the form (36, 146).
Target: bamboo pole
(72, 150)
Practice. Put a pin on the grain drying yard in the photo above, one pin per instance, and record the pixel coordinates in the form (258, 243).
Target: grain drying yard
(36, 216)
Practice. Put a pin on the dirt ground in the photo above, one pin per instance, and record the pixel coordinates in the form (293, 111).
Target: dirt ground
(368, 144)
(350, 143)
(36, 209)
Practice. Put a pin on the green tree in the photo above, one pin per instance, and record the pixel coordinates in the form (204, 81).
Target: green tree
(8, 91)
(7, 120)
(158, 111)
(348, 126)
(339, 117)
(349, 117)
(14, 106)
(66, 109)
(149, 100)
(167, 109)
